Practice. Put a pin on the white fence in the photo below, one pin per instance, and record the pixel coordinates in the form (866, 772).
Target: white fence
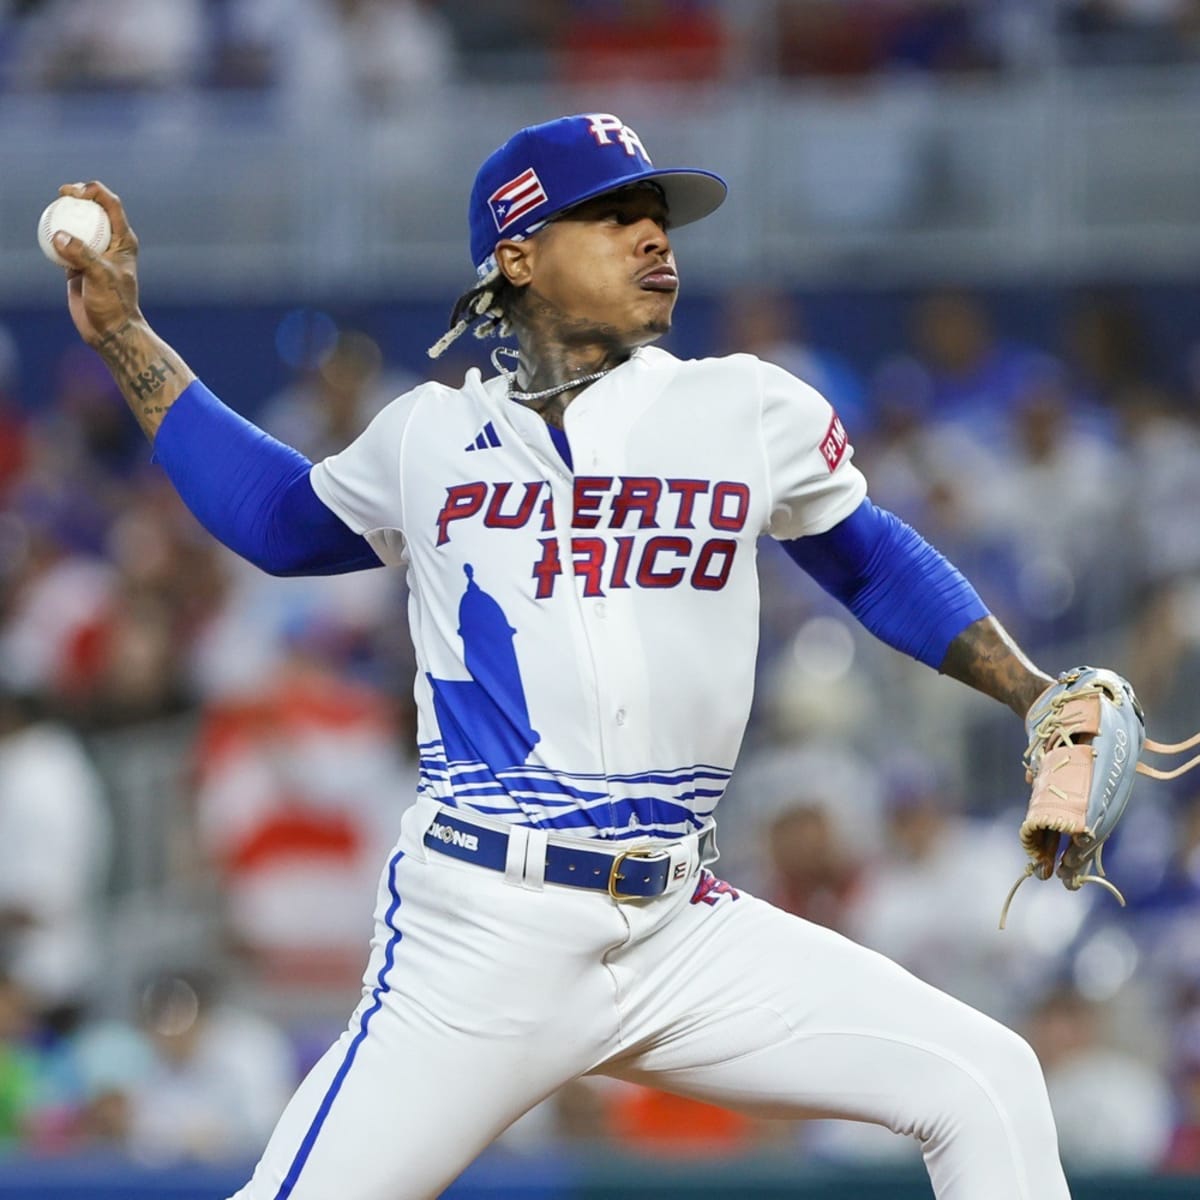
(1066, 175)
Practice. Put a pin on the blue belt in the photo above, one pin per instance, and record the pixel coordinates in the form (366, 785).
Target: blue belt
(626, 875)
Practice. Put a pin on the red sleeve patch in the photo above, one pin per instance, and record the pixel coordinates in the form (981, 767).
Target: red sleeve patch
(834, 443)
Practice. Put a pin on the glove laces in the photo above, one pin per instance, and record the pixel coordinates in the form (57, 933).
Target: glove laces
(1083, 860)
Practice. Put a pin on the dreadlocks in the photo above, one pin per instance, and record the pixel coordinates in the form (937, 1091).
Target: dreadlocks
(487, 303)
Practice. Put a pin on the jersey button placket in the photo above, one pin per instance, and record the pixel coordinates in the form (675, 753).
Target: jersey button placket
(597, 448)
(592, 612)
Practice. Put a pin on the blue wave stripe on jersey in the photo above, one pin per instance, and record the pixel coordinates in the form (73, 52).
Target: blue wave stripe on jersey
(673, 777)
(434, 754)
(468, 774)
(536, 787)
(649, 777)
(564, 781)
(670, 801)
(465, 772)
(672, 774)
(556, 794)
(542, 787)
(381, 987)
(567, 813)
(700, 794)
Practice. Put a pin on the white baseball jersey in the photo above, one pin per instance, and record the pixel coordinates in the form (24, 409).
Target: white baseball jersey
(559, 684)
(586, 642)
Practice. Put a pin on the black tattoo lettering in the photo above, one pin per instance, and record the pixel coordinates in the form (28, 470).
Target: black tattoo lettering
(147, 382)
(149, 373)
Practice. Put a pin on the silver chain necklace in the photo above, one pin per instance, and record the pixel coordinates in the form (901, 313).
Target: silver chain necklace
(511, 378)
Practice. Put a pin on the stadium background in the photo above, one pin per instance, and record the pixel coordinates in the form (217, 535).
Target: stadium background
(973, 225)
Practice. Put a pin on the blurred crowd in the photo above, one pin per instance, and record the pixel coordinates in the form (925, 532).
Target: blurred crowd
(384, 52)
(201, 769)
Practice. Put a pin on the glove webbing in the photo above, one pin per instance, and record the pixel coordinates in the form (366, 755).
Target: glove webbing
(1050, 727)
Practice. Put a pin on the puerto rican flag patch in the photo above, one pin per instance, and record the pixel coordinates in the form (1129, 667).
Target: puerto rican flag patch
(511, 201)
(834, 443)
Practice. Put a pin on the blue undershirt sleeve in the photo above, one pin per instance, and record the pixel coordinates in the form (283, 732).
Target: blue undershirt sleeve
(253, 493)
(901, 589)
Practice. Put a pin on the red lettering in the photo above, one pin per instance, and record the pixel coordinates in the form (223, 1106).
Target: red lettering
(710, 889)
(648, 576)
(640, 494)
(587, 558)
(834, 443)
(589, 490)
(703, 576)
(462, 500)
(495, 519)
(548, 512)
(687, 490)
(591, 563)
(547, 568)
(621, 562)
(723, 494)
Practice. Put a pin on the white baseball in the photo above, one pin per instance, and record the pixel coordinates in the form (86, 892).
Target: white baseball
(83, 219)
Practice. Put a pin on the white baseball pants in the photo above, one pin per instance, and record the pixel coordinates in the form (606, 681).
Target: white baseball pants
(484, 995)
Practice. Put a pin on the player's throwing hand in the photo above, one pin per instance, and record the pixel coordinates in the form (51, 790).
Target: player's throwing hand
(102, 296)
(102, 289)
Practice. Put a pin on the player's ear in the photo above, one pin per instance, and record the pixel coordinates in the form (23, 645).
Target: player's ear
(515, 260)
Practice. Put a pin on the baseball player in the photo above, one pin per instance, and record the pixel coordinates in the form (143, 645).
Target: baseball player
(579, 533)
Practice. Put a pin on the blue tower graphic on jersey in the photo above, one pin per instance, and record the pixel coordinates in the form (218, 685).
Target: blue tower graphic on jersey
(484, 718)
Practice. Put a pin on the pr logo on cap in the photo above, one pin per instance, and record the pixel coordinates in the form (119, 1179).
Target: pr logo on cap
(512, 200)
(603, 124)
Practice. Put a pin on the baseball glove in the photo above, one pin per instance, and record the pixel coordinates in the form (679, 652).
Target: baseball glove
(1086, 735)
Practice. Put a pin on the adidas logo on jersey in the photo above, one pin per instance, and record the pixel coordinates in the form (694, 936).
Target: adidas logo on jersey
(455, 837)
(486, 439)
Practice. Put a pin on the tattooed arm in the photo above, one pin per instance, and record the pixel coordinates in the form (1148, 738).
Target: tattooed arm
(149, 373)
(909, 596)
(986, 658)
(248, 490)
(102, 295)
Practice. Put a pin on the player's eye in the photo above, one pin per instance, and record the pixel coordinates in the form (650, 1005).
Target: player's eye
(631, 216)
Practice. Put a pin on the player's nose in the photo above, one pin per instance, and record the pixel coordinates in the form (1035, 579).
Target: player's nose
(652, 237)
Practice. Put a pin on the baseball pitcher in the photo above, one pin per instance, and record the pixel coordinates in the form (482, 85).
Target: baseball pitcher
(579, 534)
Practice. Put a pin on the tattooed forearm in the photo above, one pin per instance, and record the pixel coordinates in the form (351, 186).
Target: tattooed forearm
(149, 373)
(987, 659)
(116, 349)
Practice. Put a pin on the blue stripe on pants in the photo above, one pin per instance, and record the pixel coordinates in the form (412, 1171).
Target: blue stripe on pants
(381, 987)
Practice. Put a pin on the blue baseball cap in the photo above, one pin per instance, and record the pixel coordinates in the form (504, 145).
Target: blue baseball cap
(543, 170)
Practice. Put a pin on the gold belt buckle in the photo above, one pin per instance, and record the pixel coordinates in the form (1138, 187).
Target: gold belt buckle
(615, 876)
